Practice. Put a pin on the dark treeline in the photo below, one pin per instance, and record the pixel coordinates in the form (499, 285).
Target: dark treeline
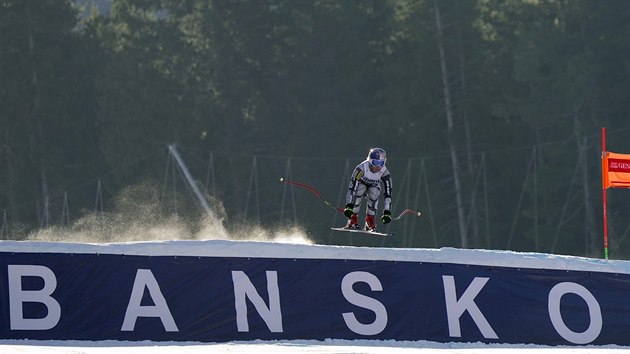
(490, 111)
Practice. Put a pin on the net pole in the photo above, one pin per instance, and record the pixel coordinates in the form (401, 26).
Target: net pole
(605, 221)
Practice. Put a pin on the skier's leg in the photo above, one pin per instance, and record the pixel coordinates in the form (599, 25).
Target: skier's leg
(372, 200)
(372, 205)
(358, 195)
(353, 222)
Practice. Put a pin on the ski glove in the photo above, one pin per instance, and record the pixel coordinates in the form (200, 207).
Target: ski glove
(387, 216)
(349, 210)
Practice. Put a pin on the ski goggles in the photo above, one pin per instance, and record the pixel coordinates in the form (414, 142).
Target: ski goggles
(377, 163)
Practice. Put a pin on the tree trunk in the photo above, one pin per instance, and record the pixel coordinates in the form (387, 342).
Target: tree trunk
(469, 150)
(590, 232)
(450, 124)
(37, 138)
(10, 174)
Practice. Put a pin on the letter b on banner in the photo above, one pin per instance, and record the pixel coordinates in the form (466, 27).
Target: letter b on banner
(18, 296)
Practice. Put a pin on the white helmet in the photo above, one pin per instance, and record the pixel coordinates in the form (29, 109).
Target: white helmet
(377, 157)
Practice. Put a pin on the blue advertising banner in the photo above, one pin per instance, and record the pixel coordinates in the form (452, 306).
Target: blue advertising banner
(65, 296)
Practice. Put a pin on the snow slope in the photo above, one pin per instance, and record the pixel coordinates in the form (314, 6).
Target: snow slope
(225, 248)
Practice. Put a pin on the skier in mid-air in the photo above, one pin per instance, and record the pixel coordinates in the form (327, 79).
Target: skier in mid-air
(365, 181)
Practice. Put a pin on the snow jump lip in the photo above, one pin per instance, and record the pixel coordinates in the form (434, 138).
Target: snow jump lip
(231, 248)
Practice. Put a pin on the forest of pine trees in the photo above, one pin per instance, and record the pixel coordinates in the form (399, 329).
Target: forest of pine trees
(490, 112)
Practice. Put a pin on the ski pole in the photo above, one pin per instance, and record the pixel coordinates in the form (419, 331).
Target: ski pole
(407, 211)
(312, 190)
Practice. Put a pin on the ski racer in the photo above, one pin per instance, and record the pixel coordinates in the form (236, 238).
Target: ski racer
(365, 182)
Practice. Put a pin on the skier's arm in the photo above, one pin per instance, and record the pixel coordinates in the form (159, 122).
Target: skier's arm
(355, 179)
(387, 186)
(387, 191)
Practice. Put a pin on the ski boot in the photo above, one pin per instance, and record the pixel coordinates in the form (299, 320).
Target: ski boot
(353, 223)
(370, 223)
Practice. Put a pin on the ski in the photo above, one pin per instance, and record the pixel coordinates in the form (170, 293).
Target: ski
(375, 233)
